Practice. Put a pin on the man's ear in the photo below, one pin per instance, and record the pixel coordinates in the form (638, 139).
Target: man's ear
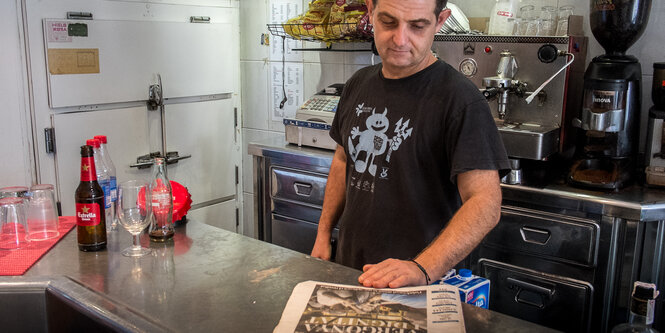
(443, 16)
(370, 9)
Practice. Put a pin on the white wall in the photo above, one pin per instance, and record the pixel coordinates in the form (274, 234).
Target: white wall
(15, 152)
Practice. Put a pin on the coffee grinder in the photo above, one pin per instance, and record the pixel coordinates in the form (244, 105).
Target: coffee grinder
(611, 103)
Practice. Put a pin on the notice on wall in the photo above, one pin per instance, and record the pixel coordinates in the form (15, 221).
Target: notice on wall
(286, 87)
(280, 12)
(56, 31)
(73, 61)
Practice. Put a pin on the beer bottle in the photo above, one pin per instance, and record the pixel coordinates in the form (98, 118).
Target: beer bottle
(90, 214)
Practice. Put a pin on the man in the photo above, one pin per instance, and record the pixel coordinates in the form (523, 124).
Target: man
(414, 182)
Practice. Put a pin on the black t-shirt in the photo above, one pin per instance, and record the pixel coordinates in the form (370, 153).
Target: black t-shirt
(406, 140)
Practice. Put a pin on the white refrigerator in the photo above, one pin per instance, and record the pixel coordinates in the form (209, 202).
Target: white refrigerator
(93, 76)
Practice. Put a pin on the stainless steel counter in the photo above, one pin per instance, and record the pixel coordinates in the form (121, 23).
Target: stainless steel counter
(207, 280)
(636, 203)
(563, 243)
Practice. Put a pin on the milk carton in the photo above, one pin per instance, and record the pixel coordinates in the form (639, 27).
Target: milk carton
(472, 289)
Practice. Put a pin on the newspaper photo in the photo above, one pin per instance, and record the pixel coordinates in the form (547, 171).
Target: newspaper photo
(326, 307)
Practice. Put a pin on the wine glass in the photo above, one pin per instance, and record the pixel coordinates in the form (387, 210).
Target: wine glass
(133, 208)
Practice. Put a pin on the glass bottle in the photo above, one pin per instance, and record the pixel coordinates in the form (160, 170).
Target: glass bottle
(113, 183)
(161, 226)
(501, 12)
(89, 198)
(642, 304)
(103, 179)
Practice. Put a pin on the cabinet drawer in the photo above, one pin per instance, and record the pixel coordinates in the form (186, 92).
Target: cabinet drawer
(553, 237)
(296, 185)
(296, 234)
(553, 301)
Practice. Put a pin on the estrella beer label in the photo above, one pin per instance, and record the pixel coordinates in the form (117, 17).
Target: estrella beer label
(88, 214)
(88, 172)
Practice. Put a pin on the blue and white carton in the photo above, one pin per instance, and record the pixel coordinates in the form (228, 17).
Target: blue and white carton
(472, 289)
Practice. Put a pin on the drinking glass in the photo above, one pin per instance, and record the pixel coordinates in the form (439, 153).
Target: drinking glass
(546, 27)
(528, 12)
(134, 211)
(42, 213)
(562, 24)
(12, 224)
(13, 191)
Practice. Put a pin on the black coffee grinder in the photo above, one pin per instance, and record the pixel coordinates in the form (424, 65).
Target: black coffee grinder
(611, 105)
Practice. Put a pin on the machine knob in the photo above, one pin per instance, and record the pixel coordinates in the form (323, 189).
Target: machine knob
(548, 53)
(490, 92)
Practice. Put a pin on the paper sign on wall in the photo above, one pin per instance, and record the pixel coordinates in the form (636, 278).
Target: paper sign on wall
(280, 12)
(73, 61)
(56, 31)
(293, 87)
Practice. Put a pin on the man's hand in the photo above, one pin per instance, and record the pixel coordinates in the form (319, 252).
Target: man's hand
(322, 248)
(392, 273)
(333, 205)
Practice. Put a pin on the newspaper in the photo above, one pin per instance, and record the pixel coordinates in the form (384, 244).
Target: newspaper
(326, 307)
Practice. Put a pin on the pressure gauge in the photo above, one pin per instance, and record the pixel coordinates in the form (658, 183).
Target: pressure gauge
(468, 67)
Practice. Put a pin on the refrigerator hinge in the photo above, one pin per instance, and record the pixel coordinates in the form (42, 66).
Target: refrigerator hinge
(79, 16)
(49, 139)
(235, 117)
(237, 178)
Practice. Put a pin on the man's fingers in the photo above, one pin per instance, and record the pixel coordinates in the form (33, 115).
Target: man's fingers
(391, 273)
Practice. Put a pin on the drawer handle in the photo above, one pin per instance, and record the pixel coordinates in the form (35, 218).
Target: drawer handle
(535, 236)
(526, 291)
(302, 189)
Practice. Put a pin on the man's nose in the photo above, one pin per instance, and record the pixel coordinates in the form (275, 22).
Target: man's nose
(400, 37)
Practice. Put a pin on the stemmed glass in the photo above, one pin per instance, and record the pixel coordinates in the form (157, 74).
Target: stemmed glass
(133, 209)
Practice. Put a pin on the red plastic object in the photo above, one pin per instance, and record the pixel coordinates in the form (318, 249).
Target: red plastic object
(182, 201)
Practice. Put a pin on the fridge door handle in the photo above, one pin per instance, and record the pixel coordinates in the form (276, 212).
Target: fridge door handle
(146, 161)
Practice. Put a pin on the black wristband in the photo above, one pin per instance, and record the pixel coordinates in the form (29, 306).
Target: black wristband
(422, 269)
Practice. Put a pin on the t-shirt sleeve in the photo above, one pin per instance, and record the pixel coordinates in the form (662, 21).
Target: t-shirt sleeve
(335, 131)
(342, 110)
(474, 143)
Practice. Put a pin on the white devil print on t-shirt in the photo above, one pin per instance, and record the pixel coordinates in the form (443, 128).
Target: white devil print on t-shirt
(374, 142)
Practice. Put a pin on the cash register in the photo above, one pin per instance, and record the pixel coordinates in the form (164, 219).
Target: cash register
(311, 125)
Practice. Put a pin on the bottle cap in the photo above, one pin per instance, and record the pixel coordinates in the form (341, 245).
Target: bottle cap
(643, 290)
(101, 138)
(466, 273)
(92, 142)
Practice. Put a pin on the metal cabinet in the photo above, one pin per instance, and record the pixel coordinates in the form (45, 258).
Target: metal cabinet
(542, 267)
(290, 198)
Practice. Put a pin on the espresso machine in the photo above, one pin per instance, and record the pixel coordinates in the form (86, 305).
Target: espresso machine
(508, 70)
(609, 119)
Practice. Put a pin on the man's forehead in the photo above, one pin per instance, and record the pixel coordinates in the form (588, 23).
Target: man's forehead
(406, 9)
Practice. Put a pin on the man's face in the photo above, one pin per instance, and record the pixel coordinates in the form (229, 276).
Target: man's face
(403, 33)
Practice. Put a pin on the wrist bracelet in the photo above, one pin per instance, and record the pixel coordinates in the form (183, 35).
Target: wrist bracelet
(421, 269)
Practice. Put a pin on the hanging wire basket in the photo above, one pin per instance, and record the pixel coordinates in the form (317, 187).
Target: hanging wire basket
(337, 32)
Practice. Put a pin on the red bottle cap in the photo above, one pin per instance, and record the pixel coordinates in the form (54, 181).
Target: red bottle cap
(93, 142)
(101, 138)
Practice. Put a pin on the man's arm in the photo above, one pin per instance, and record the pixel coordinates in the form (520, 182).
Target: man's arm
(481, 197)
(333, 205)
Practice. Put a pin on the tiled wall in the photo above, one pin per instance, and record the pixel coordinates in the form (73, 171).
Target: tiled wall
(323, 68)
(320, 69)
